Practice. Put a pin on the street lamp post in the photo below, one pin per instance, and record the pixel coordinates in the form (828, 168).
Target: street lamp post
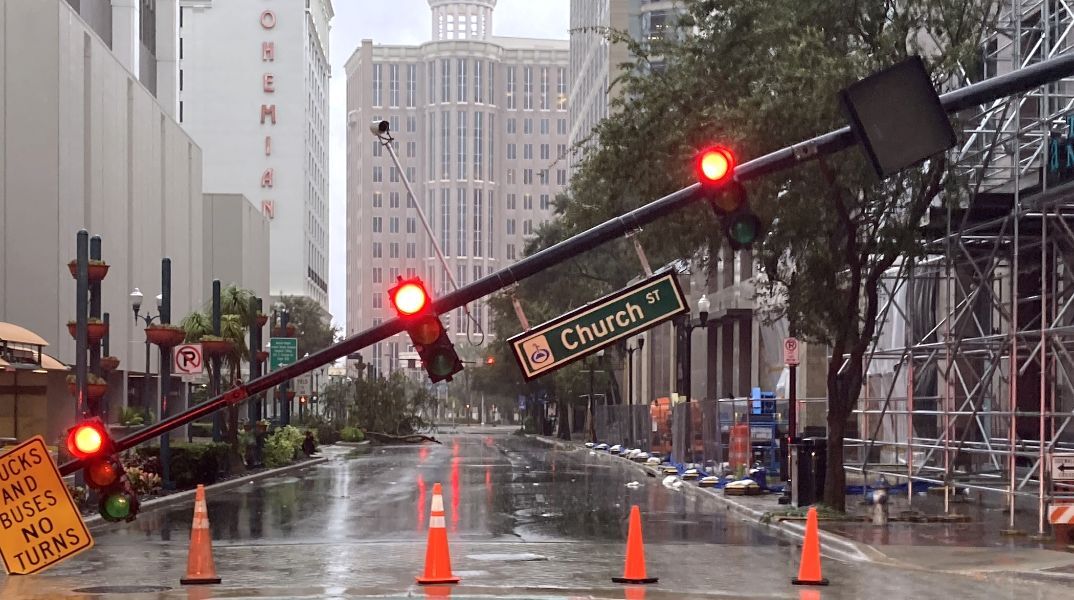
(630, 386)
(279, 311)
(136, 305)
(686, 327)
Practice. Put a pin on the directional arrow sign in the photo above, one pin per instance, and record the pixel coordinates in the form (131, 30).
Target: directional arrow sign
(1063, 467)
(581, 332)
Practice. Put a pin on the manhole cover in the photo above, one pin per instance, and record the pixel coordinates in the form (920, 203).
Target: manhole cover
(122, 589)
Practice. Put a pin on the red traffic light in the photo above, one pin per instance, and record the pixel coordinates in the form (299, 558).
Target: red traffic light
(490, 360)
(714, 165)
(87, 439)
(409, 297)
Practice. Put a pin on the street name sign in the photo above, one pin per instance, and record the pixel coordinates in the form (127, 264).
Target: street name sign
(1063, 467)
(598, 324)
(39, 522)
(282, 352)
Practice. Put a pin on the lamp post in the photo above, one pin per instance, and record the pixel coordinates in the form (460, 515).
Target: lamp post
(592, 405)
(630, 386)
(136, 305)
(686, 329)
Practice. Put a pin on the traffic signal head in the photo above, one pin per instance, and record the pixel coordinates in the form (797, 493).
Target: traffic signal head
(104, 473)
(431, 340)
(409, 297)
(88, 439)
(715, 166)
(491, 360)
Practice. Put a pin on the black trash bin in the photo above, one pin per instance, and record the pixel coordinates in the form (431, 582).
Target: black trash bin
(812, 458)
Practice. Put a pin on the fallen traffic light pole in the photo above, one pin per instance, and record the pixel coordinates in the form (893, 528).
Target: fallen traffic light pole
(974, 95)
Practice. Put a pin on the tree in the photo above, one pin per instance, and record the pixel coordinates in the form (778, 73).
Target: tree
(312, 326)
(759, 75)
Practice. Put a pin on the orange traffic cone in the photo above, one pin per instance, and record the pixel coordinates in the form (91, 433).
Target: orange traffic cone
(437, 555)
(634, 572)
(809, 568)
(199, 563)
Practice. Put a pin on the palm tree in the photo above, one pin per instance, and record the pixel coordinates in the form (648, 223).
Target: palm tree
(235, 320)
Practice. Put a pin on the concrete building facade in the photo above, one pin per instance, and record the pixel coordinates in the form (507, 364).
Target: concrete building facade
(236, 242)
(481, 129)
(84, 145)
(253, 92)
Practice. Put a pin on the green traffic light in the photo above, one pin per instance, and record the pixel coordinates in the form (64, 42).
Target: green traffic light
(744, 229)
(441, 365)
(116, 507)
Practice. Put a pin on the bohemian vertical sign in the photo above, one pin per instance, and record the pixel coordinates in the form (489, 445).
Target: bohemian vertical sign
(581, 332)
(267, 19)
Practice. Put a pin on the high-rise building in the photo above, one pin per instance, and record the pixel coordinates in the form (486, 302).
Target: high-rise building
(480, 126)
(253, 93)
(595, 61)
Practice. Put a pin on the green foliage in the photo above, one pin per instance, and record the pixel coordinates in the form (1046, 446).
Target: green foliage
(528, 425)
(143, 482)
(312, 326)
(351, 434)
(131, 416)
(192, 464)
(392, 405)
(281, 446)
(79, 493)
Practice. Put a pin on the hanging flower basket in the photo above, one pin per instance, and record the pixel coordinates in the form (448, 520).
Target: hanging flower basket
(290, 394)
(261, 319)
(165, 336)
(97, 269)
(262, 356)
(94, 391)
(109, 363)
(214, 346)
(95, 330)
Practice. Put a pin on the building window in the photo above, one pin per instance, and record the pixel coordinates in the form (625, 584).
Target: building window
(378, 149)
(411, 250)
(377, 250)
(377, 272)
(460, 240)
(511, 176)
(545, 126)
(411, 85)
(378, 200)
(445, 80)
(527, 88)
(393, 199)
(461, 97)
(411, 225)
(430, 152)
(561, 93)
(394, 174)
(510, 252)
(527, 201)
(510, 227)
(492, 83)
(462, 144)
(491, 230)
(527, 126)
(378, 174)
(430, 91)
(544, 88)
(479, 90)
(561, 126)
(510, 91)
(393, 252)
(527, 227)
(492, 147)
(545, 153)
(393, 225)
(445, 145)
(377, 300)
(512, 126)
(527, 177)
(411, 174)
(561, 176)
(545, 202)
(479, 144)
(445, 219)
(511, 154)
(411, 149)
(393, 85)
(378, 77)
(411, 124)
(511, 204)
(479, 221)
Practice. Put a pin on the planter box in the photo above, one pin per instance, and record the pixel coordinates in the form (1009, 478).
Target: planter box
(165, 337)
(95, 332)
(96, 272)
(109, 363)
(94, 391)
(261, 320)
(216, 347)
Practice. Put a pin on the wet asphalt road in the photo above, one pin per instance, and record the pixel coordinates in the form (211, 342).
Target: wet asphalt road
(524, 521)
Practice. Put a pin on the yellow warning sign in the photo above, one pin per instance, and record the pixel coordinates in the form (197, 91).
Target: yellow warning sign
(39, 522)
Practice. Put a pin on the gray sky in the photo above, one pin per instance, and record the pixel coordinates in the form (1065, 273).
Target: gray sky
(399, 22)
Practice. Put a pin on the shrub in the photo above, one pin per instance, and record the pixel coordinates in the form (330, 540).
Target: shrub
(144, 482)
(281, 446)
(131, 417)
(351, 434)
(79, 493)
(327, 434)
(194, 463)
(528, 425)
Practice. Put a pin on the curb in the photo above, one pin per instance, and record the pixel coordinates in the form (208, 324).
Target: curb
(832, 544)
(178, 497)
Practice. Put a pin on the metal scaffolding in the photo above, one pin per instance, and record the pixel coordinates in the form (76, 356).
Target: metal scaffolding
(969, 380)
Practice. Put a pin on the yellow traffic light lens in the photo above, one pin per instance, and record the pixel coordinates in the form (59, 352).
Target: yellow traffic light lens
(426, 331)
(410, 298)
(102, 474)
(85, 441)
(715, 164)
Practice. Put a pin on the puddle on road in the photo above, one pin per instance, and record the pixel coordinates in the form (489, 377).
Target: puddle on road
(524, 557)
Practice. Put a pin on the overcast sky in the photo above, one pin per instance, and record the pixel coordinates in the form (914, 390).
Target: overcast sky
(399, 22)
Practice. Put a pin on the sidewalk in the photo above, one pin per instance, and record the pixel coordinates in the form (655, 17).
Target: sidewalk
(975, 546)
